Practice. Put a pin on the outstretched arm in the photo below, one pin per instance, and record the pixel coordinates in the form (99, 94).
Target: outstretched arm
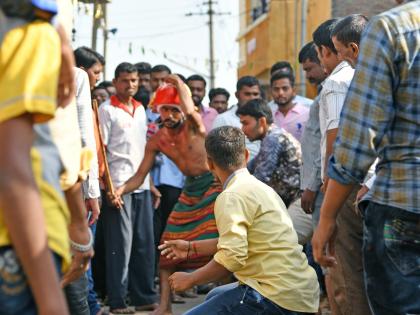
(146, 165)
(180, 249)
(187, 104)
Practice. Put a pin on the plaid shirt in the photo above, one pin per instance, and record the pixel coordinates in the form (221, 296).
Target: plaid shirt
(381, 114)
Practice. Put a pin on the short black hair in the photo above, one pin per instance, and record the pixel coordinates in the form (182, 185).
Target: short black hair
(161, 68)
(218, 91)
(226, 147)
(124, 67)
(281, 65)
(105, 84)
(308, 52)
(256, 108)
(86, 57)
(196, 77)
(101, 87)
(322, 35)
(282, 75)
(247, 81)
(143, 67)
(350, 28)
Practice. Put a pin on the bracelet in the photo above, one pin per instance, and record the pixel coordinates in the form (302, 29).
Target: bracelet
(83, 248)
(194, 247)
(188, 251)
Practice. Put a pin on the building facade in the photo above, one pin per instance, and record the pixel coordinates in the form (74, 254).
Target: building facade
(274, 30)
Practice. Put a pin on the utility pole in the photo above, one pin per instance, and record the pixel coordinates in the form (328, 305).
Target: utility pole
(211, 13)
(105, 33)
(95, 24)
(211, 44)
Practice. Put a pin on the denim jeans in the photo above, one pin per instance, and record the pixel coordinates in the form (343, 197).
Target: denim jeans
(241, 300)
(221, 289)
(92, 298)
(391, 253)
(76, 295)
(15, 294)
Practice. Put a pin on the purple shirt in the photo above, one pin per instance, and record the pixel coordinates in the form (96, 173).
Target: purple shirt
(295, 120)
(208, 115)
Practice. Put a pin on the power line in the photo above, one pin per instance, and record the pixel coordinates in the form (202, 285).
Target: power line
(164, 33)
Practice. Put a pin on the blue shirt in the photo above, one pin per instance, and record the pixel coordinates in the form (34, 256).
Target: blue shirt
(381, 113)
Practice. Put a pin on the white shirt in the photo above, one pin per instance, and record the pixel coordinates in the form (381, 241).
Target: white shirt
(85, 117)
(331, 100)
(124, 135)
(229, 118)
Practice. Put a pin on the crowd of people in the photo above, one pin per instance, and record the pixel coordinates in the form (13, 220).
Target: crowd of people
(135, 194)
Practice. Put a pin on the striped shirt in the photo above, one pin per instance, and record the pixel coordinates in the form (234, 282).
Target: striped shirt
(381, 116)
(331, 100)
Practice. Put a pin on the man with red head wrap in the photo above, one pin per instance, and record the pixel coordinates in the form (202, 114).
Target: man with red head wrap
(182, 139)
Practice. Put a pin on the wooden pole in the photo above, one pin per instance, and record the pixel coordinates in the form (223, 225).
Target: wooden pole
(107, 175)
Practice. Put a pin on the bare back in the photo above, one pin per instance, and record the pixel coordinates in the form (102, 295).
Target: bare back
(184, 146)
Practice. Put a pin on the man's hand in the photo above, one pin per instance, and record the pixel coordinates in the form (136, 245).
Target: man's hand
(307, 200)
(115, 198)
(174, 80)
(360, 194)
(66, 81)
(324, 186)
(80, 262)
(156, 195)
(181, 281)
(93, 206)
(323, 242)
(79, 265)
(177, 249)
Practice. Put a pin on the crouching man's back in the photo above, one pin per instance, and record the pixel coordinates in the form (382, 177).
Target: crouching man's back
(258, 244)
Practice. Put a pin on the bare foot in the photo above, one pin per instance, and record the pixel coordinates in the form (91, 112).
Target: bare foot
(162, 311)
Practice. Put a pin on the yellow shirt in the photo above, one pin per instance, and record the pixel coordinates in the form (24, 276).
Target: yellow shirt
(258, 244)
(29, 68)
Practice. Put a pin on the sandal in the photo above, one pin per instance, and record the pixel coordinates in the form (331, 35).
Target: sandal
(149, 307)
(125, 310)
(176, 299)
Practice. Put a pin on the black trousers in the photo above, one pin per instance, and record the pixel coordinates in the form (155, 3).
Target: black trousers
(130, 251)
(168, 200)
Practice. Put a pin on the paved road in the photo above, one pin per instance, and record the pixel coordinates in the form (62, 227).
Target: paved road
(179, 309)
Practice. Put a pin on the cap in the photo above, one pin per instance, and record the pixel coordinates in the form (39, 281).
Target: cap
(166, 94)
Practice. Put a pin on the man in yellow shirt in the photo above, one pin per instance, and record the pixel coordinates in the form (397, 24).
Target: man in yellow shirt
(34, 243)
(257, 242)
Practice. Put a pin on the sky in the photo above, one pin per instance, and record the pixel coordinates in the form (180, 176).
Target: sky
(159, 32)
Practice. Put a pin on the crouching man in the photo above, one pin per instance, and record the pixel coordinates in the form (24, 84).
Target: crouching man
(256, 242)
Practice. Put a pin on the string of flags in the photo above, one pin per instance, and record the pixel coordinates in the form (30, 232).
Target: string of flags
(133, 49)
